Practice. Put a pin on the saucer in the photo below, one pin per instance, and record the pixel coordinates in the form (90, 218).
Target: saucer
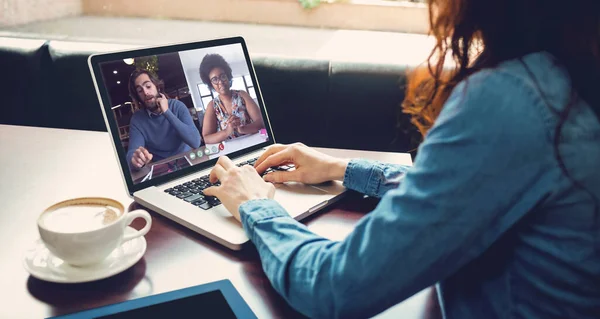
(41, 264)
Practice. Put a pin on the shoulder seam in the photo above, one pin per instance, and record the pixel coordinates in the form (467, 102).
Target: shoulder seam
(537, 100)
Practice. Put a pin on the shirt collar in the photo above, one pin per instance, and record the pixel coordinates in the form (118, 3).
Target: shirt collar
(152, 114)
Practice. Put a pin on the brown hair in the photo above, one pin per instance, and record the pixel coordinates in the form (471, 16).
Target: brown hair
(481, 34)
(160, 86)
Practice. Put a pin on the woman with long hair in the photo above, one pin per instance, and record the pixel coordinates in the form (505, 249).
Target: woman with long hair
(502, 204)
(232, 113)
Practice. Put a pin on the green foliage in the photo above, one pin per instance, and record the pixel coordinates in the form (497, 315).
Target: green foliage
(149, 63)
(309, 4)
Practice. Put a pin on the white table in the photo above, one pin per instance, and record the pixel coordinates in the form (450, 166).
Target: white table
(41, 166)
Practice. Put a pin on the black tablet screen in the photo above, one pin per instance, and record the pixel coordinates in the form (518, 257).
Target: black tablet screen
(207, 305)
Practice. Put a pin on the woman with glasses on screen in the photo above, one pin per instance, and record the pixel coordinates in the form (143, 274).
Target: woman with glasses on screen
(231, 113)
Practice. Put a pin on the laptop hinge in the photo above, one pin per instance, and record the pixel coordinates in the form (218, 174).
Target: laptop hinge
(208, 169)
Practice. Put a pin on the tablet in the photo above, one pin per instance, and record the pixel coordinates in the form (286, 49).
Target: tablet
(213, 300)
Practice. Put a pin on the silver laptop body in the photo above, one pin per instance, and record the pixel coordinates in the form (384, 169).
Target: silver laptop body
(149, 187)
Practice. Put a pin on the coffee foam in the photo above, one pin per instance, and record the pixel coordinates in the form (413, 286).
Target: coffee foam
(79, 218)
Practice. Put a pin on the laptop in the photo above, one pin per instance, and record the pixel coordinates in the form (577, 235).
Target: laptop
(171, 183)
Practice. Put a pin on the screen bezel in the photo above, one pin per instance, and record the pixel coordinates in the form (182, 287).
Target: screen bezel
(94, 62)
(235, 301)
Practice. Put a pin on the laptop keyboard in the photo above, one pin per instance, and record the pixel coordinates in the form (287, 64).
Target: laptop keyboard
(191, 191)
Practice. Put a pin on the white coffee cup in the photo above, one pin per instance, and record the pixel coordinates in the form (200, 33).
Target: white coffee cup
(84, 231)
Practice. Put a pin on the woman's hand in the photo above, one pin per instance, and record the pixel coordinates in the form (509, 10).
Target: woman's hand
(238, 185)
(312, 167)
(233, 124)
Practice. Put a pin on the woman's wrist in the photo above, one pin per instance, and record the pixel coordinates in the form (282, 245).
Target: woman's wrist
(338, 170)
(240, 130)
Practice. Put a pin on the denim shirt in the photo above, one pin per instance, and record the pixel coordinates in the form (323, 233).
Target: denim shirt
(485, 211)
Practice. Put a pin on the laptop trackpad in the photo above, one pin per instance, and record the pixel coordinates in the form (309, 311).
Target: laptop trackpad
(298, 198)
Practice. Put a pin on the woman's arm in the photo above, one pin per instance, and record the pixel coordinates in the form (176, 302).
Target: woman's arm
(254, 112)
(481, 169)
(373, 178)
(209, 126)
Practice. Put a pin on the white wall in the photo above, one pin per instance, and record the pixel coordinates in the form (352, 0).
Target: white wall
(15, 12)
(233, 54)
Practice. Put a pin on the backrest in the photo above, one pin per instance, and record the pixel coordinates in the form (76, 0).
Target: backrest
(21, 81)
(295, 93)
(318, 102)
(364, 107)
(70, 82)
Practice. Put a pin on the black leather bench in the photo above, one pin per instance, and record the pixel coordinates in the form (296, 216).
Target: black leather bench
(318, 102)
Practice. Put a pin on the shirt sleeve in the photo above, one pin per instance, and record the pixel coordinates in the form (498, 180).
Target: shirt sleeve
(373, 178)
(182, 121)
(136, 139)
(478, 172)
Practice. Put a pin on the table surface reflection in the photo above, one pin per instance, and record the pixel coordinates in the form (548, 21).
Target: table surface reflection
(41, 166)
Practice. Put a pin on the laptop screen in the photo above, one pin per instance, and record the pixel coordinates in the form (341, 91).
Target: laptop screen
(173, 110)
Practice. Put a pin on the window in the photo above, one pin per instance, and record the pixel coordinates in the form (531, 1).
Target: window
(249, 86)
(380, 15)
(205, 94)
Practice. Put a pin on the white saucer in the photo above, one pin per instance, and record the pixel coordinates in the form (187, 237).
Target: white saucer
(41, 264)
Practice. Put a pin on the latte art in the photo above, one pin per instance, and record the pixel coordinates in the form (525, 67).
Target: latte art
(79, 218)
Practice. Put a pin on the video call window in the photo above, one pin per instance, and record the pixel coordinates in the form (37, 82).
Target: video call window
(138, 85)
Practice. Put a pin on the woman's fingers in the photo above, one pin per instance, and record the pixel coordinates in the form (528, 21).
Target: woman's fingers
(212, 191)
(220, 170)
(217, 173)
(282, 177)
(268, 152)
(276, 159)
(225, 162)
